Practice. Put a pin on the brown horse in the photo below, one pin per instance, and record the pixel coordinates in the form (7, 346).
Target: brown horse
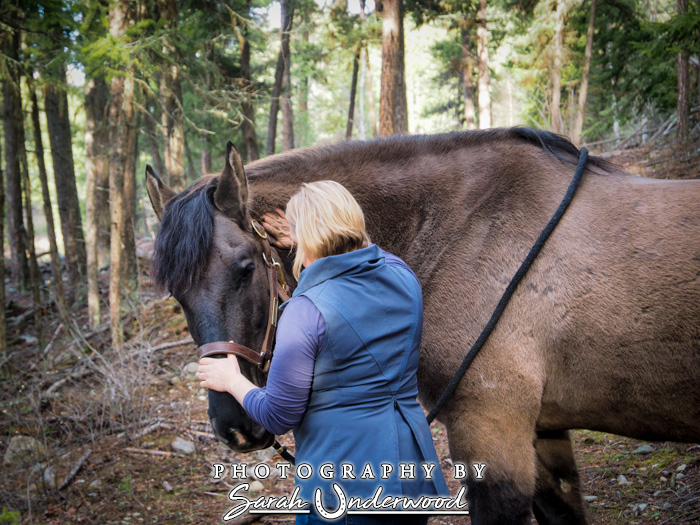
(603, 333)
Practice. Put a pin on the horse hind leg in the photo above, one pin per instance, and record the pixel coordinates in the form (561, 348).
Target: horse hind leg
(558, 491)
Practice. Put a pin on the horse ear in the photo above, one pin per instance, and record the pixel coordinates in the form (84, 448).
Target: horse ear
(231, 196)
(158, 192)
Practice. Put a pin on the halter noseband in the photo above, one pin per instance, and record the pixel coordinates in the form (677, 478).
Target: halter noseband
(279, 291)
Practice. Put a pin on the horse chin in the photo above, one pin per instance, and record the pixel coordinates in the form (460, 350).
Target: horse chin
(237, 441)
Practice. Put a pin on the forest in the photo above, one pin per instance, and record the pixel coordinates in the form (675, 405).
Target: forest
(94, 90)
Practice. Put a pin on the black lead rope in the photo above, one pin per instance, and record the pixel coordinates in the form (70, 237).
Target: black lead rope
(282, 451)
(501, 306)
(522, 271)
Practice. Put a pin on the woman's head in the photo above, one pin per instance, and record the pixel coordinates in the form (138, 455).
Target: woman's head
(326, 220)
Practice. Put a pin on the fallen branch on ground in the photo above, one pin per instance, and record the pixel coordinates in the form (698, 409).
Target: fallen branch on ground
(74, 471)
(149, 427)
(172, 344)
(163, 453)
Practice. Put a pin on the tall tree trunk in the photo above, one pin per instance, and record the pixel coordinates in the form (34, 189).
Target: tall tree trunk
(361, 117)
(353, 91)
(303, 122)
(206, 155)
(484, 78)
(583, 92)
(34, 275)
(152, 137)
(683, 95)
(247, 108)
(129, 264)
(173, 128)
(56, 271)
(96, 99)
(361, 114)
(370, 97)
(12, 107)
(3, 319)
(171, 102)
(119, 137)
(393, 109)
(571, 112)
(274, 107)
(555, 108)
(287, 112)
(58, 120)
(191, 170)
(468, 79)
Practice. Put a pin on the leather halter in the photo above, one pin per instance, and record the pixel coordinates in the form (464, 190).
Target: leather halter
(279, 291)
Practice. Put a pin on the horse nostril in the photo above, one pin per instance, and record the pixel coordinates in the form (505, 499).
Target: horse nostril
(237, 436)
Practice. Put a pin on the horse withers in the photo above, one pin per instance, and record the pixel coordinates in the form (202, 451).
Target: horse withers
(602, 333)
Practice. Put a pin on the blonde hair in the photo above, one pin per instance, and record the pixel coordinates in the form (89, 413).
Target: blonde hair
(327, 220)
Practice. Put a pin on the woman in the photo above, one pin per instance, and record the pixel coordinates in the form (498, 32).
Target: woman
(344, 369)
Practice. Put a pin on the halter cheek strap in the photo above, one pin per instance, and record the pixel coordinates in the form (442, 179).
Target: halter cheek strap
(279, 291)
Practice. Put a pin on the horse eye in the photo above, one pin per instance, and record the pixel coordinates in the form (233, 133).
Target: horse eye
(246, 275)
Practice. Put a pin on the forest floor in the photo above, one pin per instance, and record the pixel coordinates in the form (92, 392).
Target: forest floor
(141, 417)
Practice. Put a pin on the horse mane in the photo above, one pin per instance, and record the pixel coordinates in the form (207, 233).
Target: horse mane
(181, 248)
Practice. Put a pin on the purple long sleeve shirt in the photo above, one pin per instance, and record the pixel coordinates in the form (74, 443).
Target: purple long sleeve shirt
(281, 405)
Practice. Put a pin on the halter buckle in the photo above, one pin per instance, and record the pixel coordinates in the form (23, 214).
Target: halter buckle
(280, 274)
(257, 228)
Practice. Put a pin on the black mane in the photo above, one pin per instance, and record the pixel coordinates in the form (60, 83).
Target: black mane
(181, 248)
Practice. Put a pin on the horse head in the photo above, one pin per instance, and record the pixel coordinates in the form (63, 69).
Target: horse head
(209, 258)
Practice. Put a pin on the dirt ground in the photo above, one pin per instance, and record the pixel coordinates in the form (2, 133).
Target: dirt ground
(126, 411)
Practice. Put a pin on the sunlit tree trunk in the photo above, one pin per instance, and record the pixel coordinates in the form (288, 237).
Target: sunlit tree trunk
(484, 78)
(371, 109)
(96, 100)
(121, 89)
(555, 108)
(58, 121)
(56, 271)
(353, 91)
(468, 80)
(12, 111)
(287, 112)
(393, 108)
(683, 106)
(583, 92)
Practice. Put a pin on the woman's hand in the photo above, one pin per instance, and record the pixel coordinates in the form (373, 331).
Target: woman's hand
(224, 375)
(219, 374)
(277, 226)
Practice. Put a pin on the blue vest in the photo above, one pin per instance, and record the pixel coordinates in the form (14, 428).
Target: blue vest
(362, 408)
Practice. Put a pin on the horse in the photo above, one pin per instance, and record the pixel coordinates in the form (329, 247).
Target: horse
(601, 334)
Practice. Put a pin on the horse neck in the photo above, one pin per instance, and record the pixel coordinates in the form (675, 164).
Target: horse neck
(418, 207)
(391, 211)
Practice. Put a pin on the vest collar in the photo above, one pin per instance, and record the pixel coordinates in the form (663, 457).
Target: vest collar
(354, 262)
